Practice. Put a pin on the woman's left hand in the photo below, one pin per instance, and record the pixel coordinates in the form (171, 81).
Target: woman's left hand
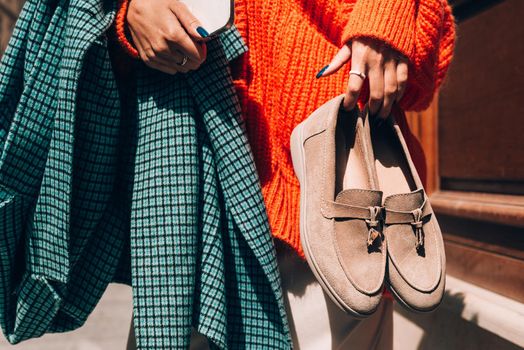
(385, 68)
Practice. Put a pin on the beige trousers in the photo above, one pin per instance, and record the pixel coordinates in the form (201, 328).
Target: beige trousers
(316, 323)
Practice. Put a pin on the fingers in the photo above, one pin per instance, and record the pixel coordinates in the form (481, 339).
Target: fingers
(175, 57)
(340, 59)
(169, 65)
(386, 73)
(159, 65)
(190, 23)
(176, 38)
(158, 30)
(402, 78)
(171, 48)
(390, 88)
(376, 86)
(167, 62)
(355, 84)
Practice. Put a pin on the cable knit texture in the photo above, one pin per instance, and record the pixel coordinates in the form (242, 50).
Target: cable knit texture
(289, 41)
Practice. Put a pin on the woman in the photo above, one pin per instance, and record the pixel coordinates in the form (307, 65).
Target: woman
(402, 47)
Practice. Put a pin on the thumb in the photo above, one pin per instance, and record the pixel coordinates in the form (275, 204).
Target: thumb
(340, 59)
(190, 23)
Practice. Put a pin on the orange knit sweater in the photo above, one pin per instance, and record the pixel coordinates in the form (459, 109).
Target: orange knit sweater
(289, 41)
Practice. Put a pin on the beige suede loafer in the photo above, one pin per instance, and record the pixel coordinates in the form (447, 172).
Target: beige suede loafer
(340, 207)
(416, 258)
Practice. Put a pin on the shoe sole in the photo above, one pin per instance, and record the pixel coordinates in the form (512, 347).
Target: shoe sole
(297, 157)
(405, 305)
(401, 301)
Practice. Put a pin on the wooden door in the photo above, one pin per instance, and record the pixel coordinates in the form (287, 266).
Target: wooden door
(473, 136)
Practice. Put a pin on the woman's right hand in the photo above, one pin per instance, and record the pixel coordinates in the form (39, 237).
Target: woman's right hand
(166, 35)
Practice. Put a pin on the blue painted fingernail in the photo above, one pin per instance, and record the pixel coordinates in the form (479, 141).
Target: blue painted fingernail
(319, 74)
(203, 33)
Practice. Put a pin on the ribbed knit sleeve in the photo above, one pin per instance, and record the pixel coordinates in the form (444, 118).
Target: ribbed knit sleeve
(447, 44)
(433, 51)
(121, 29)
(422, 30)
(391, 21)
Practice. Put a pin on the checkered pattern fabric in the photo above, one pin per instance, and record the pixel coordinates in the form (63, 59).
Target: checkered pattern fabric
(160, 192)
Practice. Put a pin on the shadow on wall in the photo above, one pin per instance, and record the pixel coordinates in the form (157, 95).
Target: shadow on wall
(444, 329)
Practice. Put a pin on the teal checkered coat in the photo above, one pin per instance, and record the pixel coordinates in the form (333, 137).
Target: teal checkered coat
(164, 196)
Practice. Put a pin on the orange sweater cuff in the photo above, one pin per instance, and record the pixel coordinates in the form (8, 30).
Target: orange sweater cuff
(121, 29)
(391, 21)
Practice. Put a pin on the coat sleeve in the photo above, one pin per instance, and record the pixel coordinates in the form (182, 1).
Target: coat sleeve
(422, 30)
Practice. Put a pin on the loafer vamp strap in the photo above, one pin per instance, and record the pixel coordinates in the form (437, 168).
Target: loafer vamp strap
(414, 217)
(336, 210)
(393, 217)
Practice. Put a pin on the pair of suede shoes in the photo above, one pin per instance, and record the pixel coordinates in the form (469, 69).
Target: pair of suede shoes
(365, 220)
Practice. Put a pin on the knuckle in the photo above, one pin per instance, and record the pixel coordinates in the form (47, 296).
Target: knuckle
(402, 78)
(360, 48)
(348, 103)
(174, 34)
(136, 9)
(390, 89)
(376, 97)
(160, 47)
(132, 16)
(377, 58)
(353, 89)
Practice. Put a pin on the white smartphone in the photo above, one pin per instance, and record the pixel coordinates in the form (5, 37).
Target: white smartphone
(215, 15)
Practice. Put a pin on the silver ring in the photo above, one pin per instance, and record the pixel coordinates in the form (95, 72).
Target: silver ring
(360, 74)
(184, 61)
